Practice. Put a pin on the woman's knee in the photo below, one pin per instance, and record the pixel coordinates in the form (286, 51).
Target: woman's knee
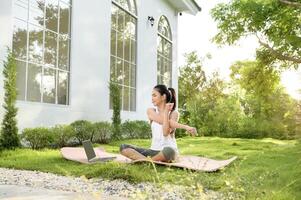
(169, 153)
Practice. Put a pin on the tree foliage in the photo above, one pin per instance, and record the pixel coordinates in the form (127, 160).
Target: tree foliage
(9, 130)
(265, 102)
(115, 97)
(192, 77)
(252, 105)
(276, 24)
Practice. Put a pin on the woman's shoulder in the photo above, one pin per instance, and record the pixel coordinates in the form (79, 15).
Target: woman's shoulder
(150, 109)
(175, 112)
(175, 115)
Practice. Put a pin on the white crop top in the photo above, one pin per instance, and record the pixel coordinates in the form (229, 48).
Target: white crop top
(159, 141)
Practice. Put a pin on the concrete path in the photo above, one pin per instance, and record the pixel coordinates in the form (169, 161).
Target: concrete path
(15, 192)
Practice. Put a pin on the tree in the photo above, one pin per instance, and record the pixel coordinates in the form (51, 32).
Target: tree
(269, 109)
(9, 130)
(204, 102)
(275, 23)
(192, 77)
(259, 82)
(115, 98)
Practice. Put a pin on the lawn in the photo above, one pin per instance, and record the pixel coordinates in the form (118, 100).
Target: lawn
(265, 169)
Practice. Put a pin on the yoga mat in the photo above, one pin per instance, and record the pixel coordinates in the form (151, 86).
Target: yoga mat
(196, 163)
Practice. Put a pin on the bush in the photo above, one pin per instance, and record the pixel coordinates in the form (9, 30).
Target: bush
(62, 134)
(102, 132)
(135, 129)
(83, 130)
(38, 138)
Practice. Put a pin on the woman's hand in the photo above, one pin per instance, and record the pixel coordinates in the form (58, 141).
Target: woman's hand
(192, 131)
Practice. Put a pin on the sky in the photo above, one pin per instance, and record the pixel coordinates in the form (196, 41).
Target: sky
(195, 34)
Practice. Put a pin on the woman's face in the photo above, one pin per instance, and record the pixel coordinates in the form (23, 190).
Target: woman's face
(157, 98)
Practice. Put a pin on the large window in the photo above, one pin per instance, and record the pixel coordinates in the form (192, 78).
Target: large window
(41, 44)
(123, 50)
(164, 52)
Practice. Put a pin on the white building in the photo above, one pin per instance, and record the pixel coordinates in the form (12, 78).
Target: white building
(67, 50)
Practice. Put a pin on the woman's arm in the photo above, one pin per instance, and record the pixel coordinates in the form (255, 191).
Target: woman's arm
(166, 125)
(173, 124)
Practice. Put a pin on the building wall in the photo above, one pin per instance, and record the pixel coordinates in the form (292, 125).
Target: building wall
(90, 63)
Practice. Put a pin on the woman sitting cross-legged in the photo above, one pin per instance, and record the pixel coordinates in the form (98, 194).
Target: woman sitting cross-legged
(164, 121)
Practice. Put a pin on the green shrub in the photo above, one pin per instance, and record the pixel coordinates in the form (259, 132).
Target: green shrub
(62, 134)
(38, 138)
(135, 129)
(83, 130)
(261, 128)
(102, 132)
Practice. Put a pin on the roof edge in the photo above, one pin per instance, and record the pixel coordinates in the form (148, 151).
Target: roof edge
(197, 5)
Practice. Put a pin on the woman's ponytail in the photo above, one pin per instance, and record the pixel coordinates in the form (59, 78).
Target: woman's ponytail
(173, 98)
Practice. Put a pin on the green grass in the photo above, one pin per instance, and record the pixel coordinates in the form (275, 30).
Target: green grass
(265, 169)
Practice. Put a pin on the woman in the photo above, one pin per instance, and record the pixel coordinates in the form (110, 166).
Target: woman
(164, 121)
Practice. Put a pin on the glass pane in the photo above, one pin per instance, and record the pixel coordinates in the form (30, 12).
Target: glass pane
(34, 83)
(114, 14)
(123, 3)
(170, 51)
(63, 54)
(49, 85)
(120, 45)
(132, 7)
(166, 67)
(64, 19)
(166, 48)
(21, 79)
(161, 79)
(51, 19)
(133, 76)
(127, 23)
(170, 72)
(159, 64)
(166, 81)
(126, 74)
(36, 12)
(132, 25)
(50, 48)
(120, 20)
(20, 39)
(133, 51)
(132, 99)
(113, 42)
(162, 70)
(66, 1)
(113, 67)
(126, 97)
(127, 49)
(165, 32)
(21, 9)
(62, 93)
(119, 74)
(159, 44)
(35, 46)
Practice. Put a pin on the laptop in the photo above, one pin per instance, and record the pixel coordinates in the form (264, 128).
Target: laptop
(91, 153)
